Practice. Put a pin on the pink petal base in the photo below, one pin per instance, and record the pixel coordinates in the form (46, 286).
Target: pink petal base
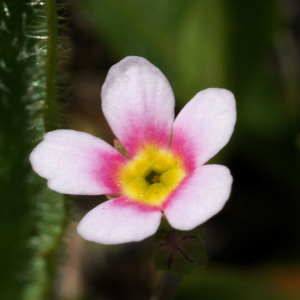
(119, 221)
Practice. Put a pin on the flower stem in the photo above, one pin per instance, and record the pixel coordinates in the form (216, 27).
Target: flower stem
(50, 107)
(168, 287)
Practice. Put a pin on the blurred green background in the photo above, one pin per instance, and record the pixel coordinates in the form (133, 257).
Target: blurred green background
(249, 47)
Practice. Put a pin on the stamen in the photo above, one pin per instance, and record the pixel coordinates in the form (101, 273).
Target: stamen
(153, 177)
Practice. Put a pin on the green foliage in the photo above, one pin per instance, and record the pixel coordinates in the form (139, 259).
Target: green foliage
(32, 217)
(174, 35)
(215, 284)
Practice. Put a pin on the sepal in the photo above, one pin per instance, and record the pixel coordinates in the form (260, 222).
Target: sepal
(179, 251)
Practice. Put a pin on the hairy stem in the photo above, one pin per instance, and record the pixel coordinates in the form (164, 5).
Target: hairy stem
(32, 217)
(50, 107)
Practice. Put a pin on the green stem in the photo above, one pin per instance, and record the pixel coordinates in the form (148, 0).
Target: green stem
(50, 107)
(167, 287)
(33, 218)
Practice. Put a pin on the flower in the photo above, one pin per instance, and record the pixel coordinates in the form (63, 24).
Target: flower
(163, 171)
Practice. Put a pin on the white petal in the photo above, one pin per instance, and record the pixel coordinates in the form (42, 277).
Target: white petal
(138, 103)
(77, 163)
(119, 221)
(205, 125)
(201, 196)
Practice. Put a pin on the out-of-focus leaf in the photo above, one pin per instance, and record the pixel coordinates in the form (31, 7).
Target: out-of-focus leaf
(215, 284)
(253, 27)
(201, 48)
(185, 39)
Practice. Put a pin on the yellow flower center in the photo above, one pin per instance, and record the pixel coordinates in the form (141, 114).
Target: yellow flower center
(151, 175)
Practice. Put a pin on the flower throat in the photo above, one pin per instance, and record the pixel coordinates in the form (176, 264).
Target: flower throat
(151, 175)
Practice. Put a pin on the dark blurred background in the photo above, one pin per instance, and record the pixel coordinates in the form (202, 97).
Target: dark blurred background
(249, 47)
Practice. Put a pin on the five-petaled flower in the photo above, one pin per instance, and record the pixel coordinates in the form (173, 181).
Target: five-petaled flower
(163, 172)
